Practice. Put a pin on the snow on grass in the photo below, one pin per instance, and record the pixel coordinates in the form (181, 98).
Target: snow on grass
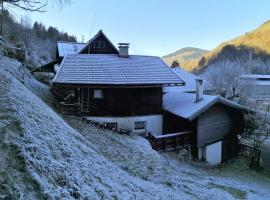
(62, 163)
(17, 70)
(43, 157)
(134, 155)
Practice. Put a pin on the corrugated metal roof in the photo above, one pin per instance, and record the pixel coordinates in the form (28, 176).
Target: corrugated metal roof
(184, 105)
(65, 48)
(112, 69)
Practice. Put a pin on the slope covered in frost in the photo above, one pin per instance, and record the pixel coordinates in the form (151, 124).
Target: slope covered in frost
(44, 156)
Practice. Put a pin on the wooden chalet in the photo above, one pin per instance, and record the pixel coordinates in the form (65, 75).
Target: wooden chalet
(111, 86)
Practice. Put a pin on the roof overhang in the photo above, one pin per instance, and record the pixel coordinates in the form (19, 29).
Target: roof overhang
(214, 101)
(81, 85)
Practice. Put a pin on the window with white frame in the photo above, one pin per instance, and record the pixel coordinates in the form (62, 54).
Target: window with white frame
(98, 94)
(140, 125)
(99, 44)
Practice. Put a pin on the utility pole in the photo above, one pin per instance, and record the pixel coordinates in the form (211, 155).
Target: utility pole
(249, 61)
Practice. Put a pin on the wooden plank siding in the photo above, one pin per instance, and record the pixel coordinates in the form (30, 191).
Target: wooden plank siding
(219, 122)
(118, 101)
(108, 48)
(214, 124)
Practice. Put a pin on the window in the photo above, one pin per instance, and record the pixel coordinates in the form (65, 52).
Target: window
(99, 45)
(98, 94)
(141, 125)
(111, 126)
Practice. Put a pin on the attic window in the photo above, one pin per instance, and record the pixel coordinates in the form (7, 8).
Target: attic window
(98, 94)
(99, 44)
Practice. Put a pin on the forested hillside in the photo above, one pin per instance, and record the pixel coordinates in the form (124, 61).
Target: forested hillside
(251, 49)
(186, 57)
(37, 42)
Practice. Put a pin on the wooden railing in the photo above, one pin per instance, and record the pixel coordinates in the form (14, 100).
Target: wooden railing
(169, 142)
(250, 151)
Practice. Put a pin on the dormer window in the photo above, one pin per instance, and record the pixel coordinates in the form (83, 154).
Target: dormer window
(99, 44)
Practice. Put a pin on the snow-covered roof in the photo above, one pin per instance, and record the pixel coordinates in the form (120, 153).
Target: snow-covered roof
(184, 105)
(256, 79)
(112, 69)
(65, 48)
(256, 76)
(189, 79)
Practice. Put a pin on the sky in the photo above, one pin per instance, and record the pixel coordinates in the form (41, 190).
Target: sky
(158, 27)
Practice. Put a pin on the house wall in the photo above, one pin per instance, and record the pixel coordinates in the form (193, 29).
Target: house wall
(213, 124)
(259, 91)
(173, 124)
(154, 122)
(115, 102)
(126, 102)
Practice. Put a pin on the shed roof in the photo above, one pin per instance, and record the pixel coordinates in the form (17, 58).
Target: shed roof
(184, 105)
(110, 69)
(65, 48)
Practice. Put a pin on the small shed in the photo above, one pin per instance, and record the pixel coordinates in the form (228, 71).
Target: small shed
(214, 123)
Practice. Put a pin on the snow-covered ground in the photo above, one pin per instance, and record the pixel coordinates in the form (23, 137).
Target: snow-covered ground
(43, 156)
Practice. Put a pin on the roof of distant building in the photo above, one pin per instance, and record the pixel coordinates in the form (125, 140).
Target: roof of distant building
(65, 48)
(189, 79)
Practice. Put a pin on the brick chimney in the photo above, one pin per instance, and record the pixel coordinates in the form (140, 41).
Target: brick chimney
(123, 50)
(175, 64)
(199, 90)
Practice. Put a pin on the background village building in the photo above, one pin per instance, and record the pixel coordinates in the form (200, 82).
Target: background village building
(260, 89)
(190, 82)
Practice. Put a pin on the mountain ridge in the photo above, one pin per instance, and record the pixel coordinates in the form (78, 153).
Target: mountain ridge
(256, 41)
(185, 56)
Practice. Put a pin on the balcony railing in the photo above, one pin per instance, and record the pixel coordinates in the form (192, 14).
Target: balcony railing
(168, 142)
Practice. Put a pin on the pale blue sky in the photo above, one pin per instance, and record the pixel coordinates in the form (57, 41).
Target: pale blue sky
(159, 27)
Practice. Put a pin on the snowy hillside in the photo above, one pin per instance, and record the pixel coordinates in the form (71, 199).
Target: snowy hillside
(43, 156)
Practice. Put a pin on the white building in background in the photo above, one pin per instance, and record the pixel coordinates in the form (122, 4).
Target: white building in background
(190, 83)
(260, 89)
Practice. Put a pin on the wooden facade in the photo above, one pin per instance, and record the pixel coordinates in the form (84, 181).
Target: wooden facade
(100, 44)
(112, 101)
(218, 123)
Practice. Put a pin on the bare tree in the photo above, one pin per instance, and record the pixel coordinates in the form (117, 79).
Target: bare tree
(225, 78)
(257, 129)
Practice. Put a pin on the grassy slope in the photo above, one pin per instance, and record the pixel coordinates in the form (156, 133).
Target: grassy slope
(186, 56)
